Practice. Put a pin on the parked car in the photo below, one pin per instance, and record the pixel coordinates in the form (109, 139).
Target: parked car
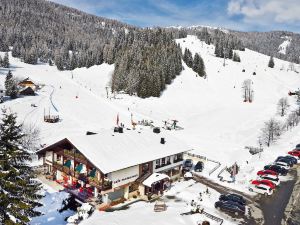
(199, 166)
(266, 172)
(274, 179)
(264, 182)
(289, 160)
(233, 197)
(230, 206)
(277, 169)
(295, 153)
(187, 165)
(292, 158)
(296, 150)
(282, 164)
(261, 189)
(298, 146)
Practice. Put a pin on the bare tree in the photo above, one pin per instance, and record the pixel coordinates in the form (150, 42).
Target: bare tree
(271, 131)
(291, 66)
(293, 119)
(31, 138)
(247, 90)
(282, 106)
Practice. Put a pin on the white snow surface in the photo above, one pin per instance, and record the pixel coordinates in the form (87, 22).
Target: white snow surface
(216, 121)
(181, 193)
(155, 177)
(109, 151)
(52, 202)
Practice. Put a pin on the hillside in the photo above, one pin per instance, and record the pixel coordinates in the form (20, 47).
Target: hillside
(216, 122)
(268, 43)
(40, 31)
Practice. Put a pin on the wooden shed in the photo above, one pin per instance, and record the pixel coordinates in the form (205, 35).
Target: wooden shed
(27, 91)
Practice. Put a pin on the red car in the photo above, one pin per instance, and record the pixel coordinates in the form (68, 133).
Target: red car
(295, 153)
(266, 172)
(296, 150)
(264, 182)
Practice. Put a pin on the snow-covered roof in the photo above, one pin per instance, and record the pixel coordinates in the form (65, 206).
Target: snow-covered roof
(110, 151)
(155, 177)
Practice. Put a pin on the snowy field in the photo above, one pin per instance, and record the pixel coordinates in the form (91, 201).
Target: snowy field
(217, 123)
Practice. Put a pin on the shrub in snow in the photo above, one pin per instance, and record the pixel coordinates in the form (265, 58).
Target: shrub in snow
(83, 213)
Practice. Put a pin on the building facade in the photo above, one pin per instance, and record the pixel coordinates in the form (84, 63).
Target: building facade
(76, 168)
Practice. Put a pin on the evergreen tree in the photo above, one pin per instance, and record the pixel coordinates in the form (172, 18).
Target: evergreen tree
(198, 65)
(18, 188)
(230, 54)
(188, 58)
(5, 61)
(50, 62)
(271, 63)
(10, 85)
(236, 57)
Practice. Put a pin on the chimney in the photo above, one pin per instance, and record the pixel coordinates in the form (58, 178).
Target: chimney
(90, 133)
(162, 140)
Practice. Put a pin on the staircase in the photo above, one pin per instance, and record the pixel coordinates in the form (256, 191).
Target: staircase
(212, 217)
(143, 177)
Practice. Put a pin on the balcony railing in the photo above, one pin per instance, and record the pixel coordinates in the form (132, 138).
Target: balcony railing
(177, 160)
(162, 165)
(76, 156)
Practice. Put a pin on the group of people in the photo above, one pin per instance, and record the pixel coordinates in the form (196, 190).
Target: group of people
(196, 207)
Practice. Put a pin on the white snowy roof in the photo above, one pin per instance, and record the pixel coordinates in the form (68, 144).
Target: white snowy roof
(154, 178)
(111, 151)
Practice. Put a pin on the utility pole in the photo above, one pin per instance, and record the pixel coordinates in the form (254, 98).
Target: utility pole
(224, 56)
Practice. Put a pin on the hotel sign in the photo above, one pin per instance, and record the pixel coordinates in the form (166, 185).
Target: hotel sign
(124, 176)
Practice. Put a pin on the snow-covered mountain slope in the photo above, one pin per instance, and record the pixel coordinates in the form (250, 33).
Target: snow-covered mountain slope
(216, 121)
(86, 112)
(285, 44)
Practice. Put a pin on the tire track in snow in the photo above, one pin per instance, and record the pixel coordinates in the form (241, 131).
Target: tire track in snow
(51, 98)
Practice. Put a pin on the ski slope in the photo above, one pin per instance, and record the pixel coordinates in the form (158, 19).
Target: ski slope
(217, 123)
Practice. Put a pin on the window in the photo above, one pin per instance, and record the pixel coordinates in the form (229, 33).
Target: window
(178, 158)
(168, 160)
(157, 162)
(163, 161)
(145, 168)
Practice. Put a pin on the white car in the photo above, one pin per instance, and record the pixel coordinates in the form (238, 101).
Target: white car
(261, 189)
(282, 164)
(274, 179)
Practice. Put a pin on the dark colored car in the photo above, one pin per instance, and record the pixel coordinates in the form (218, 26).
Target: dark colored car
(188, 163)
(285, 160)
(233, 197)
(298, 146)
(292, 158)
(277, 169)
(199, 166)
(230, 206)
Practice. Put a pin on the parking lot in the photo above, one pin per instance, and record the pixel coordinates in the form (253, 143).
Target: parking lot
(273, 207)
(270, 208)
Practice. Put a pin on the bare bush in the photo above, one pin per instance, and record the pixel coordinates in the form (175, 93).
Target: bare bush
(282, 106)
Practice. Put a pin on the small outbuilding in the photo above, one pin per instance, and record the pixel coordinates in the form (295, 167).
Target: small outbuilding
(27, 91)
(27, 83)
